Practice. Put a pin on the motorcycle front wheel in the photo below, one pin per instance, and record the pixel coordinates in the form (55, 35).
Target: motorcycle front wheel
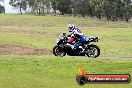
(58, 51)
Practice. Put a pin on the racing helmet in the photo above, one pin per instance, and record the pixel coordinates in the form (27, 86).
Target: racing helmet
(71, 27)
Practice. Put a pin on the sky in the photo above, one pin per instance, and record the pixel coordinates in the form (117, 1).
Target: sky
(9, 8)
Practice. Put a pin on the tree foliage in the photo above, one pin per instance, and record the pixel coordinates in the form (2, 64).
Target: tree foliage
(21, 4)
(2, 9)
(109, 9)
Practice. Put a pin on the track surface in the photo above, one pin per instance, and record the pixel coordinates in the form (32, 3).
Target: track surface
(104, 57)
(114, 57)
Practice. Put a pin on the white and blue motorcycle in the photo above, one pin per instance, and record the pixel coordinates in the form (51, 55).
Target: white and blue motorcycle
(62, 47)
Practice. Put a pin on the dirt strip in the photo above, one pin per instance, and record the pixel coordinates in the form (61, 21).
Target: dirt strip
(19, 50)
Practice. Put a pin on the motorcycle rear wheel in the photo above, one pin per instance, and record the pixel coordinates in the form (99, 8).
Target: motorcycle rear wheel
(93, 51)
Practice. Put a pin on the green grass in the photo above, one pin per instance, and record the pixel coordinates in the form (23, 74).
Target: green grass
(42, 31)
(56, 72)
(57, 21)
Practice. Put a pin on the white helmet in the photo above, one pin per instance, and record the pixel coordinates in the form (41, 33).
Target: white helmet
(71, 27)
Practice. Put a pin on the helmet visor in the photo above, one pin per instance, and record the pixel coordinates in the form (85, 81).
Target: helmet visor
(70, 29)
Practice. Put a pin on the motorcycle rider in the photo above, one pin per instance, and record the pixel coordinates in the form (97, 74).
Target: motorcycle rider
(75, 35)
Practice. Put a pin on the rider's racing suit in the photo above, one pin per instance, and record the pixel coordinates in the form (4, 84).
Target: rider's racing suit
(77, 34)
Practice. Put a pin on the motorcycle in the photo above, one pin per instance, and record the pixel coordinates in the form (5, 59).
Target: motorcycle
(63, 48)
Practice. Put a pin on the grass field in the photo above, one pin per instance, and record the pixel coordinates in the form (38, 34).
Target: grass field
(22, 33)
(56, 72)
(42, 31)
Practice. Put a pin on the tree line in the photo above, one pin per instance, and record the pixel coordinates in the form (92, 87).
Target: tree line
(2, 9)
(110, 9)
